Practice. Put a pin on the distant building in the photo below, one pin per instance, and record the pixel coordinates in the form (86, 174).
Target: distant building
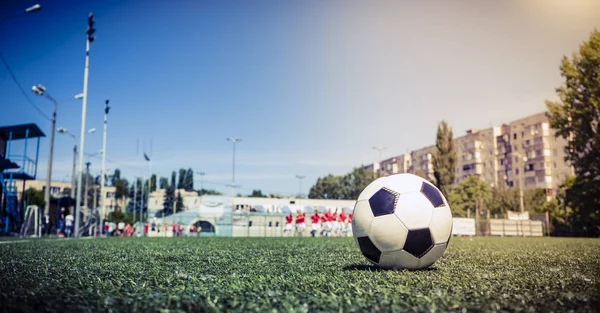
(496, 155)
(60, 189)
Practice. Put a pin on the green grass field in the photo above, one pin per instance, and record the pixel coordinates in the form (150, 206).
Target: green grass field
(294, 275)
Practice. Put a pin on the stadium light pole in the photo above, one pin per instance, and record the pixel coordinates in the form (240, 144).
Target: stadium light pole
(234, 140)
(32, 9)
(62, 130)
(380, 149)
(89, 39)
(103, 170)
(300, 177)
(41, 91)
(201, 174)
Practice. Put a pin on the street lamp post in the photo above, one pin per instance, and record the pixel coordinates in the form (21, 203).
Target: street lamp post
(103, 171)
(380, 149)
(201, 174)
(62, 130)
(234, 140)
(31, 9)
(41, 91)
(89, 39)
(300, 177)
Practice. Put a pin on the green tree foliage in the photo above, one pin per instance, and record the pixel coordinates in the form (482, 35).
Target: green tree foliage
(163, 183)
(181, 179)
(257, 193)
(114, 178)
(188, 181)
(34, 197)
(173, 179)
(467, 194)
(347, 186)
(444, 160)
(179, 202)
(153, 183)
(168, 201)
(208, 192)
(576, 117)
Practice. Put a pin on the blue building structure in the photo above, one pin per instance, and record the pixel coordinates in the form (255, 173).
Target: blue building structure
(16, 165)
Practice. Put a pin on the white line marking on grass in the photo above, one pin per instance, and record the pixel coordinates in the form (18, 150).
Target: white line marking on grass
(16, 241)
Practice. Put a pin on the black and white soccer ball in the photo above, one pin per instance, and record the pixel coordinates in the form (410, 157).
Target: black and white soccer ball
(402, 221)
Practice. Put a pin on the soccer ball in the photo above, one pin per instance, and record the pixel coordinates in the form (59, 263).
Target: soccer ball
(402, 221)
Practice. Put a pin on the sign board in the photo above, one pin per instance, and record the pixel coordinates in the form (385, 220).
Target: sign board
(463, 226)
(518, 216)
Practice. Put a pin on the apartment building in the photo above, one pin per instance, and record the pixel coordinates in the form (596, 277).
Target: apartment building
(525, 149)
(536, 156)
(60, 189)
(476, 154)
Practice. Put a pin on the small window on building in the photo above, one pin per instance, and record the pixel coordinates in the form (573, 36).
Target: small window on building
(554, 164)
(530, 167)
(517, 171)
(502, 162)
(516, 148)
(522, 134)
(515, 136)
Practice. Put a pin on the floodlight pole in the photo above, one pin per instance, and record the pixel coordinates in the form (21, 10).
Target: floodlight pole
(41, 91)
(379, 161)
(234, 140)
(201, 174)
(300, 177)
(103, 171)
(89, 39)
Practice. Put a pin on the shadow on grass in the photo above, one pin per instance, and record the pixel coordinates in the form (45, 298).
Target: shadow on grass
(375, 268)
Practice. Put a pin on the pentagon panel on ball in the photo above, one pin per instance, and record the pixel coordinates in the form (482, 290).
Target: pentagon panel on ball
(383, 202)
(368, 249)
(418, 242)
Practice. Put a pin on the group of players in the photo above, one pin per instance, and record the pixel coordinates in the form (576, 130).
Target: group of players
(329, 224)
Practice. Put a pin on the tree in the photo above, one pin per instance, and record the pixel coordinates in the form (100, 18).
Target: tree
(257, 194)
(163, 183)
(345, 187)
(503, 199)
(179, 202)
(467, 194)
(444, 160)
(188, 181)
(208, 192)
(181, 179)
(115, 177)
(576, 117)
(173, 178)
(153, 183)
(168, 201)
(34, 197)
(419, 172)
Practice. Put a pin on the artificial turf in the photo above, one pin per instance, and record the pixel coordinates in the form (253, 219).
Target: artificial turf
(294, 275)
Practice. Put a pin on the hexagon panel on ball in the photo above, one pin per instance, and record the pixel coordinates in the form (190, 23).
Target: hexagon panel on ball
(414, 210)
(388, 233)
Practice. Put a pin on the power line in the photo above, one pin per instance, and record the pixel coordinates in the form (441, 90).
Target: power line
(23, 90)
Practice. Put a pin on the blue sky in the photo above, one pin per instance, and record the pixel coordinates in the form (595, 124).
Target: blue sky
(310, 86)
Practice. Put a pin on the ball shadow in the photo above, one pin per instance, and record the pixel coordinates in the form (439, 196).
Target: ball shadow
(375, 268)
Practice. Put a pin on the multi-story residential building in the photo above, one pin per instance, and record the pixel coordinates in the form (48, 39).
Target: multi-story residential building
(60, 189)
(522, 149)
(536, 156)
(422, 162)
(476, 154)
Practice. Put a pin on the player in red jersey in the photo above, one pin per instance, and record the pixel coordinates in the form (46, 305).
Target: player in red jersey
(342, 222)
(300, 225)
(323, 223)
(349, 225)
(288, 223)
(315, 223)
(335, 225)
(328, 219)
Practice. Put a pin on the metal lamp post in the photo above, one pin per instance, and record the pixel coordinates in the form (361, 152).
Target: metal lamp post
(89, 38)
(32, 9)
(62, 130)
(234, 140)
(380, 149)
(41, 91)
(201, 174)
(300, 177)
(103, 171)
